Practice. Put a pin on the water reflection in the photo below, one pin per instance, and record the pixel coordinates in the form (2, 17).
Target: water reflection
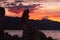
(53, 33)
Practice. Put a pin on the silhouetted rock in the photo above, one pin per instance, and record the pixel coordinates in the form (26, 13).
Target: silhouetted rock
(2, 12)
(7, 36)
(24, 19)
(30, 33)
(16, 37)
(50, 38)
(25, 15)
(2, 15)
(42, 36)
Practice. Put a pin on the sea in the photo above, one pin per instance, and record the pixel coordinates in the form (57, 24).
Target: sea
(55, 34)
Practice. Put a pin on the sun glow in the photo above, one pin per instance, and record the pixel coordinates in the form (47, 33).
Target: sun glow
(51, 10)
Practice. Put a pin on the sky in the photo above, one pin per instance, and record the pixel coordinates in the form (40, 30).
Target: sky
(50, 10)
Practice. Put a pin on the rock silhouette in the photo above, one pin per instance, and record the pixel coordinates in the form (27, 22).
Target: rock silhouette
(25, 15)
(2, 14)
(24, 19)
(30, 33)
(50, 38)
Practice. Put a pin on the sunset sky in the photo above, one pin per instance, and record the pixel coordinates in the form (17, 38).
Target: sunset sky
(50, 9)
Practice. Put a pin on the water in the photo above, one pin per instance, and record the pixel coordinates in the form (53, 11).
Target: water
(15, 32)
(53, 33)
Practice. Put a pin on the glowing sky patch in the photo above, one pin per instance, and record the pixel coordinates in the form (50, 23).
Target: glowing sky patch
(50, 8)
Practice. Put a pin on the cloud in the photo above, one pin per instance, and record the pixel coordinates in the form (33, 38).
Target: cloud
(32, 0)
(51, 0)
(56, 16)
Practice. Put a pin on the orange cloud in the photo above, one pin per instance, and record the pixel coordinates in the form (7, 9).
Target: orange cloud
(38, 15)
(52, 13)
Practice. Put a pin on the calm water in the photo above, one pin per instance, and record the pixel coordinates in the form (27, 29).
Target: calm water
(53, 33)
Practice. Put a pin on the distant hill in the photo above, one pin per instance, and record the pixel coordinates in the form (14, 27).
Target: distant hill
(13, 23)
